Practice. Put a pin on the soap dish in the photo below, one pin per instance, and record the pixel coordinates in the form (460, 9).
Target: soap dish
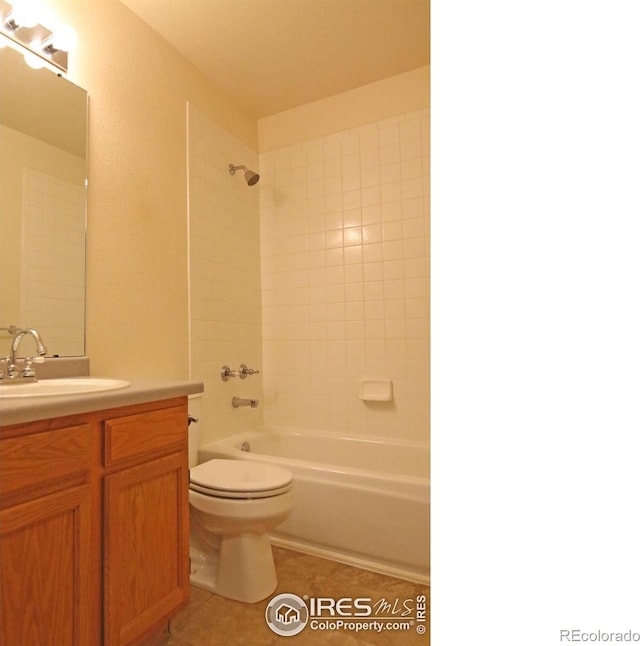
(376, 390)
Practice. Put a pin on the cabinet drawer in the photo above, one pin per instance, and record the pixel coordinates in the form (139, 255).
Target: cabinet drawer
(145, 433)
(28, 461)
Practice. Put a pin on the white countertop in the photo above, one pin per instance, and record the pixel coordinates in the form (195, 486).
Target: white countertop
(31, 409)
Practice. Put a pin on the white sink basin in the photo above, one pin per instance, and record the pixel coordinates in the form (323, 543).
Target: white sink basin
(58, 387)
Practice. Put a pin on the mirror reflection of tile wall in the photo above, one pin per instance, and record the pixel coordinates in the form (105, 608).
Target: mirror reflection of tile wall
(53, 261)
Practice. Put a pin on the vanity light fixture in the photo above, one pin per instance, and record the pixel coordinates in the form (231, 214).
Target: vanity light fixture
(19, 22)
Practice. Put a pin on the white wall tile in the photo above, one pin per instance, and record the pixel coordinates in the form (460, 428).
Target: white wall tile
(225, 270)
(367, 279)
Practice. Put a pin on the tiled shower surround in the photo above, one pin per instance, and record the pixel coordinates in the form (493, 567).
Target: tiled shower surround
(319, 275)
(345, 278)
(224, 276)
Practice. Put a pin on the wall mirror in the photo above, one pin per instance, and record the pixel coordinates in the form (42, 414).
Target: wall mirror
(43, 171)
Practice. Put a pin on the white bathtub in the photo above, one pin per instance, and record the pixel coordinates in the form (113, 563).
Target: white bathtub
(357, 500)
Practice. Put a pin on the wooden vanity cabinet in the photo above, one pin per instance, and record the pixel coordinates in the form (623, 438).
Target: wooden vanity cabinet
(94, 538)
(146, 531)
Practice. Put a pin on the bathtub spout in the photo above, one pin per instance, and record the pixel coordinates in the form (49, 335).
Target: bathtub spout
(236, 402)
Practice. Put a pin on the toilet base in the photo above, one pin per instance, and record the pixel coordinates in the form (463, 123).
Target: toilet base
(242, 569)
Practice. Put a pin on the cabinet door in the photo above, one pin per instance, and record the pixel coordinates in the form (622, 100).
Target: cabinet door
(146, 548)
(46, 587)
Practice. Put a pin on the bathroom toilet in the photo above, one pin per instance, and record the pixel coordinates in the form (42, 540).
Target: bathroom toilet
(233, 505)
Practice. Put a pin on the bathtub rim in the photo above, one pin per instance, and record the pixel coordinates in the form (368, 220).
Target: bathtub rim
(230, 442)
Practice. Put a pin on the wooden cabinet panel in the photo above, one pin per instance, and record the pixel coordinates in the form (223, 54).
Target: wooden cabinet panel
(146, 547)
(47, 588)
(28, 461)
(136, 435)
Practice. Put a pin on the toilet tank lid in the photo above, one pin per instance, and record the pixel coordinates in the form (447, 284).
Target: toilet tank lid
(238, 475)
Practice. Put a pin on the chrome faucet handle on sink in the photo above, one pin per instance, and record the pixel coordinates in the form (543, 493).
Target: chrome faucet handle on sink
(28, 370)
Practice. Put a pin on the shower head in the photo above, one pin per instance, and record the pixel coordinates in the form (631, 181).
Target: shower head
(251, 177)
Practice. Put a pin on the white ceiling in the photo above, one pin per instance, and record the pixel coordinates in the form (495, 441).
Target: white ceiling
(272, 55)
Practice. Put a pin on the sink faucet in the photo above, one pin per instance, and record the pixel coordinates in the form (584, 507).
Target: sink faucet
(27, 373)
(236, 402)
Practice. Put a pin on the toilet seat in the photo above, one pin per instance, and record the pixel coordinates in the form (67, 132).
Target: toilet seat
(239, 479)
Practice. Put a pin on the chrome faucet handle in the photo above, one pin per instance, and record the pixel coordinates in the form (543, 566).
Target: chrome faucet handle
(11, 370)
(244, 372)
(28, 370)
(226, 373)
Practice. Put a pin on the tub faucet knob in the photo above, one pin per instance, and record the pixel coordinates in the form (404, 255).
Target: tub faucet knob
(244, 372)
(226, 373)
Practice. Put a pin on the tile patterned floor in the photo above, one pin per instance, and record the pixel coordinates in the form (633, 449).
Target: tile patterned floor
(211, 620)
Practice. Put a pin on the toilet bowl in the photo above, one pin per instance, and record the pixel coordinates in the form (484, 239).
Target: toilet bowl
(233, 506)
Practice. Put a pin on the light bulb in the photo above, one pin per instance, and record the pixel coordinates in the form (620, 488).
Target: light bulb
(64, 38)
(25, 13)
(33, 61)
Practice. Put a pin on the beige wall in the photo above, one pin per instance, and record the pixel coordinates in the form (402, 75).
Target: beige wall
(137, 310)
